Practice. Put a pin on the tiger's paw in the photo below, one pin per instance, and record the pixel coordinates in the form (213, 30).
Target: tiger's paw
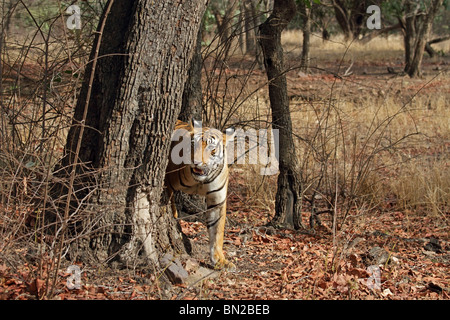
(224, 264)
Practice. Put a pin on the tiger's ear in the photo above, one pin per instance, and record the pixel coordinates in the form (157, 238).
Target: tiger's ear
(228, 135)
(196, 123)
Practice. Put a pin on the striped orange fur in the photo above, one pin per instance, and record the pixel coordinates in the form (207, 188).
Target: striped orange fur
(204, 171)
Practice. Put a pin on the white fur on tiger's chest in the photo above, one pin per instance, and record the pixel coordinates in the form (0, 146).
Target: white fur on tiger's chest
(188, 185)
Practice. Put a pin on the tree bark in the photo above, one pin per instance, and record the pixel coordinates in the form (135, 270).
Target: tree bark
(191, 108)
(413, 69)
(136, 97)
(306, 28)
(408, 23)
(288, 197)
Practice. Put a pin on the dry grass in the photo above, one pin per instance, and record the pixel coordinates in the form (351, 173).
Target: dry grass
(426, 186)
(382, 140)
(380, 50)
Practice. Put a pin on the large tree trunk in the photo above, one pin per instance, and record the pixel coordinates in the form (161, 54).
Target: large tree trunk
(125, 117)
(288, 197)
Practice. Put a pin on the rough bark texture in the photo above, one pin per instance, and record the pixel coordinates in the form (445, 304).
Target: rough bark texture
(288, 197)
(192, 204)
(192, 94)
(413, 65)
(136, 98)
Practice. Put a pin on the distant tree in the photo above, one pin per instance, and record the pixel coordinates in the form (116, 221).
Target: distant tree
(350, 15)
(289, 190)
(306, 15)
(417, 20)
(224, 13)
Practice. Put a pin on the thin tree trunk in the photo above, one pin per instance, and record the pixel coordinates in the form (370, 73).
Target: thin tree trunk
(350, 17)
(306, 28)
(342, 18)
(224, 23)
(357, 17)
(414, 68)
(409, 26)
(249, 23)
(288, 197)
(136, 97)
(429, 49)
(375, 33)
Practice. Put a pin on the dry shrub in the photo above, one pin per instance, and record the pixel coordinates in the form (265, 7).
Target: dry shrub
(424, 185)
(42, 65)
(356, 140)
(364, 152)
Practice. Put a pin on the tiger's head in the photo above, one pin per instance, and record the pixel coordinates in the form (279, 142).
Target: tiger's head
(203, 148)
(208, 151)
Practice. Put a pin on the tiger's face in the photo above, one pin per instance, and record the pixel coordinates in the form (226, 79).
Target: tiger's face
(207, 152)
(202, 149)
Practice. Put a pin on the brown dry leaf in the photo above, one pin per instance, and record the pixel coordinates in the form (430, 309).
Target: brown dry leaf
(3, 268)
(358, 272)
(353, 260)
(322, 284)
(35, 287)
(340, 283)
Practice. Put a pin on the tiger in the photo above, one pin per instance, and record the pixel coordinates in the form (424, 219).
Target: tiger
(202, 170)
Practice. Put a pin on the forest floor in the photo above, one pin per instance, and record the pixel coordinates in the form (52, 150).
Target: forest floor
(386, 253)
(383, 253)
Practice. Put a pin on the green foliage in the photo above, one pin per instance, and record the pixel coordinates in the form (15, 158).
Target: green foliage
(43, 13)
(209, 21)
(39, 14)
(308, 3)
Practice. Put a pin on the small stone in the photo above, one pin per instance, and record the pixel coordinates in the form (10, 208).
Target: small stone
(386, 292)
(378, 255)
(173, 269)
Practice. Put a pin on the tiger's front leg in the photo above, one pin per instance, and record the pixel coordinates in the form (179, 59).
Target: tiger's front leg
(216, 226)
